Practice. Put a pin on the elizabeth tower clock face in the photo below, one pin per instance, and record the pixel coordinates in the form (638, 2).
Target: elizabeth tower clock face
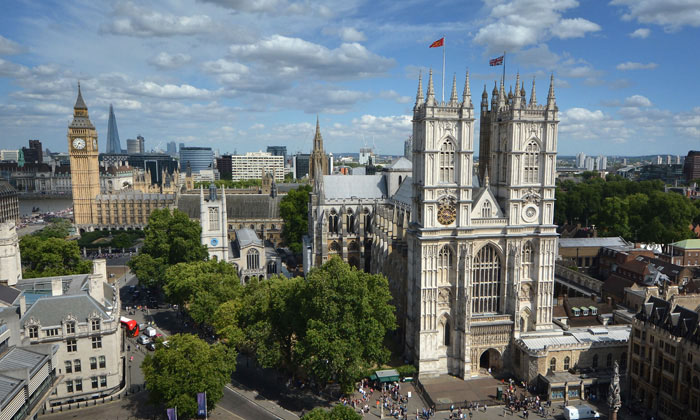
(79, 144)
(447, 212)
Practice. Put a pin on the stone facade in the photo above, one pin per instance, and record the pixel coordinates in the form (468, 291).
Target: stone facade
(10, 260)
(9, 204)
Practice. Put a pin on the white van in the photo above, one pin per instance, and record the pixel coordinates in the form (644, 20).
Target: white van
(150, 332)
(583, 411)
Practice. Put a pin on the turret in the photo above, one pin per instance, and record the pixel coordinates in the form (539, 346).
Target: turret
(430, 99)
(502, 95)
(494, 96)
(419, 95)
(467, 94)
(533, 97)
(453, 96)
(516, 96)
(484, 100)
(551, 100)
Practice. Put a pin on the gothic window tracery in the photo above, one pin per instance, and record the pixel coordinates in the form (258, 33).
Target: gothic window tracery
(486, 209)
(532, 163)
(444, 265)
(213, 218)
(333, 222)
(447, 162)
(253, 259)
(486, 284)
(528, 259)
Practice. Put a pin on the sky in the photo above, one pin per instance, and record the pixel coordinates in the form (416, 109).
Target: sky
(239, 75)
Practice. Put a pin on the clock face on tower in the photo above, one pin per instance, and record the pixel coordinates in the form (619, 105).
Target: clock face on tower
(214, 242)
(447, 211)
(79, 144)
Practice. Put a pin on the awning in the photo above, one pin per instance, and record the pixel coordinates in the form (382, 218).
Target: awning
(389, 375)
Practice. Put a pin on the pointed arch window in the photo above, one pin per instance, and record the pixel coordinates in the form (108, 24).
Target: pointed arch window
(253, 259)
(486, 283)
(213, 218)
(447, 162)
(486, 209)
(553, 365)
(567, 363)
(333, 222)
(531, 164)
(444, 265)
(528, 260)
(446, 338)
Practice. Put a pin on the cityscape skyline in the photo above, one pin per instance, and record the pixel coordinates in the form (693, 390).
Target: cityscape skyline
(205, 74)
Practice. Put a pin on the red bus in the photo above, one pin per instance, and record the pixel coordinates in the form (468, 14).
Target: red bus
(132, 327)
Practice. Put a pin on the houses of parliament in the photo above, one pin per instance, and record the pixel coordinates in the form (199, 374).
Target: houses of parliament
(92, 209)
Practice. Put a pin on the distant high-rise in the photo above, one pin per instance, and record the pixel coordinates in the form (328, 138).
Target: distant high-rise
(172, 148)
(135, 146)
(199, 158)
(408, 148)
(580, 160)
(278, 151)
(301, 165)
(365, 155)
(589, 163)
(691, 167)
(659, 160)
(113, 143)
(33, 154)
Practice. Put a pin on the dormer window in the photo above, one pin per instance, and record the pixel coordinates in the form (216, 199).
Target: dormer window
(95, 324)
(584, 310)
(594, 310)
(33, 332)
(576, 311)
(70, 327)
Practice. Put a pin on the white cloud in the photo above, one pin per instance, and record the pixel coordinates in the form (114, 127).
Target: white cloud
(688, 123)
(259, 6)
(8, 46)
(345, 33)
(395, 96)
(183, 91)
(167, 61)
(389, 124)
(133, 20)
(296, 57)
(637, 101)
(517, 24)
(641, 33)
(222, 66)
(631, 65)
(671, 14)
(582, 115)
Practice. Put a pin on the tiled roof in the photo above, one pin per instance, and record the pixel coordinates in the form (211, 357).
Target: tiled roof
(247, 236)
(358, 186)
(50, 311)
(238, 206)
(591, 242)
(405, 191)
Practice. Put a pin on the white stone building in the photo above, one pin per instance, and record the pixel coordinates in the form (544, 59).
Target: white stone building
(253, 164)
(10, 259)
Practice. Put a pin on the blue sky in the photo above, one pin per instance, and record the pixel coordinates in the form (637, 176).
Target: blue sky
(239, 75)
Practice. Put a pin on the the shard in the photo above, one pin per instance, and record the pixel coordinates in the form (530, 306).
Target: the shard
(113, 143)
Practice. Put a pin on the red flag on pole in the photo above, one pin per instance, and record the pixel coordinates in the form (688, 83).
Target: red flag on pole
(439, 43)
(496, 61)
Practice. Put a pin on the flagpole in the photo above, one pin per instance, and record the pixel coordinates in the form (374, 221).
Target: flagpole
(504, 67)
(443, 68)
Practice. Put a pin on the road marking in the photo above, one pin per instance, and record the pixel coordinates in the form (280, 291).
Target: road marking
(234, 415)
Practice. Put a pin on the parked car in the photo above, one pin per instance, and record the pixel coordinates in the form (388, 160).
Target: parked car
(143, 340)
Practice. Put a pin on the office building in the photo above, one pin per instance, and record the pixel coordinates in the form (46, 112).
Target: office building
(223, 164)
(691, 166)
(33, 154)
(135, 146)
(278, 151)
(365, 155)
(172, 149)
(198, 157)
(114, 145)
(9, 155)
(254, 165)
(301, 165)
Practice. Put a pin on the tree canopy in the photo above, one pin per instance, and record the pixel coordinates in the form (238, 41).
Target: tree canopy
(58, 228)
(175, 373)
(201, 287)
(637, 211)
(51, 256)
(294, 210)
(171, 238)
(331, 325)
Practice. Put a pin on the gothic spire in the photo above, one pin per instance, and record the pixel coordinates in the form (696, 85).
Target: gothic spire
(551, 101)
(533, 97)
(516, 95)
(453, 96)
(419, 95)
(502, 94)
(430, 100)
(318, 139)
(80, 103)
(467, 94)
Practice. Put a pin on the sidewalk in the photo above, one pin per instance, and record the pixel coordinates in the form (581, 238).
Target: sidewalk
(262, 402)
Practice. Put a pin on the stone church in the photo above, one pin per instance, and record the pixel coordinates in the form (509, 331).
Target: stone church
(470, 259)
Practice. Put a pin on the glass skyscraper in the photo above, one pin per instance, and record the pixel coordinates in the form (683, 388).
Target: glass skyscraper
(113, 143)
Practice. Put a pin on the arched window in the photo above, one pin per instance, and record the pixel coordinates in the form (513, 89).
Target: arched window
(567, 363)
(213, 218)
(608, 360)
(595, 361)
(253, 259)
(444, 265)
(368, 221)
(272, 267)
(333, 222)
(528, 259)
(335, 247)
(447, 162)
(446, 338)
(486, 283)
(553, 365)
(350, 220)
(623, 362)
(353, 246)
(486, 209)
(532, 163)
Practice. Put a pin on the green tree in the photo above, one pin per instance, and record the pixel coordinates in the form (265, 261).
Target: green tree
(170, 238)
(188, 365)
(294, 211)
(339, 412)
(348, 315)
(201, 287)
(613, 218)
(43, 257)
(59, 228)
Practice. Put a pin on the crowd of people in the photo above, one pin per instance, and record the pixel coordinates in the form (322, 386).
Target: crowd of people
(517, 402)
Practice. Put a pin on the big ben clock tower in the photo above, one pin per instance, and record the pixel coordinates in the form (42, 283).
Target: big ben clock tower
(85, 175)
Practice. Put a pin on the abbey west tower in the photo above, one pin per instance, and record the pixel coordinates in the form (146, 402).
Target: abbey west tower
(480, 257)
(85, 175)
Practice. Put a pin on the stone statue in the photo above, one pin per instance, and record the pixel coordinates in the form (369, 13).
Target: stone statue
(614, 401)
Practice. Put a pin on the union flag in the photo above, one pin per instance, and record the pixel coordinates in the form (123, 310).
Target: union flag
(496, 61)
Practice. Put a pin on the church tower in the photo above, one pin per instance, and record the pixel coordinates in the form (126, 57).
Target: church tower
(214, 222)
(318, 162)
(85, 175)
(480, 255)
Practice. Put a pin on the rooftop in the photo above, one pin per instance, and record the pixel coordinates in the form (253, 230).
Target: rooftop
(591, 242)
(343, 187)
(688, 244)
(580, 336)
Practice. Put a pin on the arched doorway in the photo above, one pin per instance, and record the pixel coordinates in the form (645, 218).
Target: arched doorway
(490, 361)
